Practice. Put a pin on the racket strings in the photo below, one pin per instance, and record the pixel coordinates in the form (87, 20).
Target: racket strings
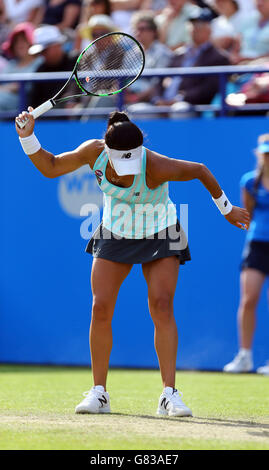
(110, 63)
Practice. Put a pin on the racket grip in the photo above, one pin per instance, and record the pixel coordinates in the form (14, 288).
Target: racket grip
(43, 108)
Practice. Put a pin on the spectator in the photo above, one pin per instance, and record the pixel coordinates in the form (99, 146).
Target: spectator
(62, 13)
(4, 26)
(255, 263)
(94, 7)
(156, 55)
(247, 6)
(89, 8)
(173, 23)
(48, 41)
(96, 23)
(201, 89)
(19, 11)
(254, 90)
(122, 11)
(210, 4)
(100, 25)
(153, 5)
(16, 48)
(226, 27)
(255, 33)
(3, 64)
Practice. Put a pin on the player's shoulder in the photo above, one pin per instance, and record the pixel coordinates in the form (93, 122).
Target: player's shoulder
(90, 150)
(156, 164)
(93, 145)
(247, 180)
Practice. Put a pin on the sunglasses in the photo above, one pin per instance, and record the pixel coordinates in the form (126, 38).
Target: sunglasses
(141, 29)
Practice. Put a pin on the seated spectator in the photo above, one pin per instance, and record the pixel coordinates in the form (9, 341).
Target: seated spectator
(153, 5)
(173, 23)
(4, 26)
(157, 55)
(194, 89)
(210, 4)
(89, 8)
(48, 42)
(62, 13)
(122, 11)
(247, 6)
(226, 27)
(97, 26)
(255, 33)
(3, 64)
(19, 11)
(16, 48)
(94, 7)
(255, 90)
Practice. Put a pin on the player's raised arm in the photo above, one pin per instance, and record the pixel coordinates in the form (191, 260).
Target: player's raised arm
(165, 169)
(48, 164)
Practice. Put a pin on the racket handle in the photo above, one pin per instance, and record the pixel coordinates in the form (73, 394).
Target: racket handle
(43, 108)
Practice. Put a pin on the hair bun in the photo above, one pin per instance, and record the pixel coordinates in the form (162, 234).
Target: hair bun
(117, 116)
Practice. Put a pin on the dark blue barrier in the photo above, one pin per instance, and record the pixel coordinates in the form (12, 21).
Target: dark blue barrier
(45, 297)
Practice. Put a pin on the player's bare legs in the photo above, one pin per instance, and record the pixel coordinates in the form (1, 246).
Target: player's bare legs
(106, 279)
(161, 276)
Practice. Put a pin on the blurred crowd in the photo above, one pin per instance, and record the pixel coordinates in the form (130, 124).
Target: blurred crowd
(48, 35)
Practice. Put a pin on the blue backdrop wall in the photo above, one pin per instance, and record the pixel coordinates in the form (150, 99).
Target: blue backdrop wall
(45, 296)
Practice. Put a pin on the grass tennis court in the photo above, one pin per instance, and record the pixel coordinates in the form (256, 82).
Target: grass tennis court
(37, 411)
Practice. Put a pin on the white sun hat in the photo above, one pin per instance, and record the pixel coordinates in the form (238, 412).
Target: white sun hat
(126, 162)
(45, 36)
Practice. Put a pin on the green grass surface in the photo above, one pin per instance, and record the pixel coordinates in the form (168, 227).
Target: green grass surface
(37, 411)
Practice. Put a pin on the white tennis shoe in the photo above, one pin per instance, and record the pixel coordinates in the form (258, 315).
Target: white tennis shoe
(96, 401)
(241, 363)
(170, 404)
(264, 370)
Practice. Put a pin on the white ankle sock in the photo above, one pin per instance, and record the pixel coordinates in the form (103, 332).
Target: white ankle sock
(168, 390)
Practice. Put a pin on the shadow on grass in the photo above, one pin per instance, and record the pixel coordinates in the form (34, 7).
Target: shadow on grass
(202, 420)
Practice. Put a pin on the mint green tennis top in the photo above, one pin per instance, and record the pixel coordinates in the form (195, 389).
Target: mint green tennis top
(136, 211)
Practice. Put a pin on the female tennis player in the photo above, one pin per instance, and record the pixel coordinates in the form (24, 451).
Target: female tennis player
(255, 262)
(135, 183)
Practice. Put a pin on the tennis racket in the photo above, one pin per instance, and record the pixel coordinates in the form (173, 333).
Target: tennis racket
(105, 67)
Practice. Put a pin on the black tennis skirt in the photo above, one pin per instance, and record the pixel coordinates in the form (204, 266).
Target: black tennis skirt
(169, 242)
(256, 256)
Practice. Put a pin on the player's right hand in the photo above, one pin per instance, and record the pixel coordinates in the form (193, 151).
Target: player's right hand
(28, 129)
(239, 217)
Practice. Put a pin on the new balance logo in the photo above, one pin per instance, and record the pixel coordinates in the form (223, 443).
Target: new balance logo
(225, 203)
(127, 155)
(164, 403)
(103, 400)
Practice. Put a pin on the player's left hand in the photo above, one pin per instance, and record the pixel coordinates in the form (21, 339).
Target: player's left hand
(239, 217)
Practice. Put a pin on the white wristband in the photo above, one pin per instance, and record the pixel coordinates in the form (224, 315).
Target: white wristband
(223, 204)
(30, 144)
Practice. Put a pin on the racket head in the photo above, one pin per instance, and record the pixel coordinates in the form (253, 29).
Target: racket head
(109, 64)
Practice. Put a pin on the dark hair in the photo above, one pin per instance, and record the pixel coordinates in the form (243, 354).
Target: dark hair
(145, 17)
(122, 134)
(106, 3)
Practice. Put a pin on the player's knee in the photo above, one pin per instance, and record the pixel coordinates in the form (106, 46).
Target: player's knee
(161, 307)
(100, 310)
